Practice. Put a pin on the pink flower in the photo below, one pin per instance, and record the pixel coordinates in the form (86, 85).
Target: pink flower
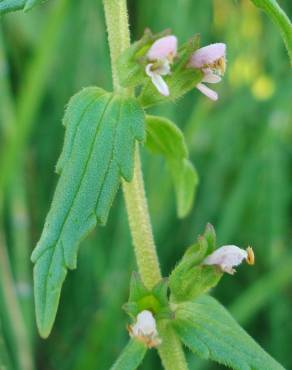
(229, 256)
(211, 60)
(161, 55)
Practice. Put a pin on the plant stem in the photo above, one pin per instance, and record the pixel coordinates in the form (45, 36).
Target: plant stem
(140, 225)
(116, 16)
(170, 351)
(139, 220)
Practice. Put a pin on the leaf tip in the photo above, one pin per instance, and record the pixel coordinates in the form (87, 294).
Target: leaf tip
(44, 330)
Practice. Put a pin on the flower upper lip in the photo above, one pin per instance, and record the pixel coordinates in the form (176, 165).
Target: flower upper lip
(165, 47)
(228, 256)
(208, 55)
(211, 59)
(161, 55)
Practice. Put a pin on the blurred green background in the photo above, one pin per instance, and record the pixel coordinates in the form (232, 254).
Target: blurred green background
(241, 147)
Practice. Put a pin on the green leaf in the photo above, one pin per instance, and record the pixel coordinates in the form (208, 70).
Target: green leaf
(281, 20)
(208, 329)
(186, 180)
(7, 6)
(101, 130)
(131, 357)
(165, 138)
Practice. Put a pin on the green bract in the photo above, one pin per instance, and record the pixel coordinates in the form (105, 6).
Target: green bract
(154, 300)
(101, 130)
(207, 328)
(165, 138)
(190, 279)
(131, 63)
(12, 5)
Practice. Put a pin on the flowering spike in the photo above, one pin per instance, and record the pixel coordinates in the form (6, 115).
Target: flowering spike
(145, 329)
(211, 60)
(228, 256)
(161, 55)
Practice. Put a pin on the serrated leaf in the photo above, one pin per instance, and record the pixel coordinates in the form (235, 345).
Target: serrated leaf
(7, 6)
(101, 130)
(165, 138)
(208, 329)
(131, 357)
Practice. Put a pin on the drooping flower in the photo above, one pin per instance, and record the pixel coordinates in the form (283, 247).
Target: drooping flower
(145, 329)
(211, 60)
(229, 256)
(160, 57)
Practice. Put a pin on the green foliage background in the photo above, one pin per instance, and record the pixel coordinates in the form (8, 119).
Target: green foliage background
(241, 146)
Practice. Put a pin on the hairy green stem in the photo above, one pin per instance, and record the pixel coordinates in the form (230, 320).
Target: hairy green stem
(170, 351)
(140, 225)
(116, 15)
(139, 220)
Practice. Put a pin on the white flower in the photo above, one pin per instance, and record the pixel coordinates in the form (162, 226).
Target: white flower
(145, 329)
(229, 256)
(160, 55)
(211, 60)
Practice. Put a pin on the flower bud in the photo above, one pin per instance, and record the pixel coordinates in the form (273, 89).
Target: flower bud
(145, 329)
